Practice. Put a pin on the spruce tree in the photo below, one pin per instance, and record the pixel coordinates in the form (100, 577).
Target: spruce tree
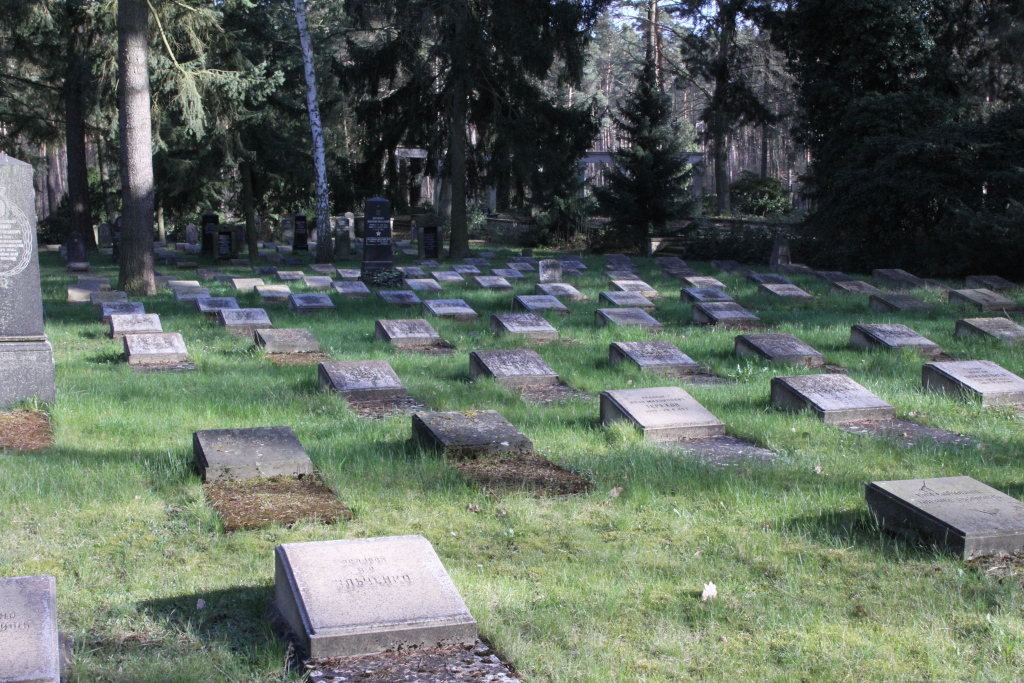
(647, 182)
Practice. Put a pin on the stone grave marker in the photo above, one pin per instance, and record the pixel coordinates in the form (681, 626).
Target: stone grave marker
(559, 289)
(79, 267)
(210, 307)
(855, 287)
(29, 641)
(638, 286)
(352, 289)
(521, 266)
(288, 340)
(241, 454)
(999, 328)
(661, 413)
(207, 273)
(507, 273)
(894, 278)
(533, 303)
(368, 595)
(405, 334)
(120, 308)
(349, 273)
(767, 279)
(794, 269)
(833, 276)
(323, 268)
(728, 266)
(936, 284)
(476, 261)
(362, 380)
(82, 293)
(411, 271)
(703, 295)
(960, 513)
(301, 237)
(166, 348)
(99, 298)
(892, 338)
(985, 300)
(378, 251)
(787, 291)
(892, 303)
(723, 314)
(134, 323)
(834, 398)
(423, 284)
(290, 275)
(492, 282)
(620, 275)
(190, 293)
(630, 299)
(102, 282)
(310, 303)
(550, 271)
(702, 283)
(447, 276)
(992, 282)
(466, 270)
(456, 309)
(626, 317)
(318, 282)
(243, 320)
(983, 379)
(273, 294)
(469, 434)
(512, 367)
(779, 348)
(246, 284)
(661, 357)
(573, 264)
(399, 297)
(528, 325)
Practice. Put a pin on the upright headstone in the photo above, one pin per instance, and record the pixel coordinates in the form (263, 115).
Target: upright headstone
(430, 239)
(300, 241)
(26, 357)
(210, 222)
(191, 234)
(342, 239)
(550, 271)
(29, 641)
(377, 254)
(780, 252)
(76, 248)
(104, 235)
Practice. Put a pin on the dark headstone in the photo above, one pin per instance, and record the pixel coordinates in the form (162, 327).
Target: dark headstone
(469, 434)
(894, 278)
(661, 413)
(209, 222)
(415, 333)
(300, 241)
(834, 398)
(983, 379)
(998, 328)
(512, 367)
(76, 248)
(242, 454)
(210, 307)
(29, 641)
(984, 300)
(724, 314)
(377, 248)
(362, 380)
(120, 308)
(463, 269)
(310, 303)
(767, 279)
(629, 299)
(528, 325)
(833, 276)
(892, 303)
(892, 337)
(430, 242)
(779, 348)
(661, 357)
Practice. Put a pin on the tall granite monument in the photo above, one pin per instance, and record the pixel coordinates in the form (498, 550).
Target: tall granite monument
(26, 357)
(377, 254)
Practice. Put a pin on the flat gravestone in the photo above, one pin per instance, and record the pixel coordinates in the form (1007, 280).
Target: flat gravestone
(527, 325)
(661, 413)
(767, 279)
(892, 303)
(368, 595)
(399, 297)
(322, 268)
(362, 380)
(121, 308)
(310, 303)
(242, 454)
(985, 300)
(173, 284)
(469, 434)
(103, 282)
(99, 298)
(550, 271)
(407, 333)
(190, 293)
(779, 348)
(288, 340)
(790, 291)
(456, 309)
(29, 641)
(134, 323)
(703, 295)
(243, 320)
(466, 270)
(998, 328)
(892, 338)
(629, 299)
(855, 287)
(318, 282)
(167, 348)
(273, 294)
(574, 264)
(993, 282)
(246, 284)
(476, 261)
(512, 367)
(832, 276)
(660, 357)
(349, 273)
(82, 293)
(208, 273)
(983, 379)
(447, 276)
(422, 284)
(534, 303)
(559, 289)
(959, 513)
(700, 282)
(411, 271)
(352, 289)
(428, 263)
(794, 269)
(724, 314)
(620, 275)
(834, 398)
(290, 275)
(729, 266)
(894, 278)
(210, 307)
(626, 317)
(508, 273)
(492, 282)
(638, 286)
(521, 266)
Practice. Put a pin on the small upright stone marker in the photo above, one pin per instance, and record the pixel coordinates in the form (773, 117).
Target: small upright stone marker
(983, 379)
(703, 295)
(661, 413)
(469, 434)
(246, 284)
(368, 595)
(779, 348)
(628, 299)
(626, 317)
(960, 513)
(364, 380)
(855, 287)
(532, 303)
(243, 320)
(492, 282)
(352, 289)
(407, 334)
(528, 325)
(993, 282)
(134, 323)
(29, 641)
(724, 314)
(456, 309)
(399, 297)
(558, 289)
(892, 303)
(791, 291)
(985, 300)
(661, 357)
(999, 328)
(836, 399)
(550, 271)
(512, 367)
(893, 338)
(310, 303)
(167, 348)
(289, 340)
(242, 454)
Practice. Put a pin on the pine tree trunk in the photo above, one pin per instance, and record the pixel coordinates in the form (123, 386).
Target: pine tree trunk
(720, 153)
(136, 248)
(52, 179)
(324, 247)
(459, 246)
(108, 200)
(719, 122)
(74, 129)
(764, 150)
(248, 206)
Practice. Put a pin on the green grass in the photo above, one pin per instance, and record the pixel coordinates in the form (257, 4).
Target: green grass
(593, 588)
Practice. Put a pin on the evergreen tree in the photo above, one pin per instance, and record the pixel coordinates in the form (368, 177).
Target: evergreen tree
(646, 187)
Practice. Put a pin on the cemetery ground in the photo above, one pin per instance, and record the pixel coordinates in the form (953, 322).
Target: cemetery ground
(600, 586)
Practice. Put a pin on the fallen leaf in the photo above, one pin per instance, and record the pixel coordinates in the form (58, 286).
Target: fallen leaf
(710, 592)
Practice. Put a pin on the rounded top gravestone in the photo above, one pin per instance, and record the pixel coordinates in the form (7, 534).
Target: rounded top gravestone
(21, 299)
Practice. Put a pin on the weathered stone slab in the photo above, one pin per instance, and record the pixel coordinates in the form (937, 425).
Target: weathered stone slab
(469, 434)
(190, 293)
(407, 333)
(779, 348)
(243, 320)
(767, 279)
(834, 398)
(728, 266)
(533, 303)
(274, 294)
(492, 282)
(99, 298)
(134, 323)
(992, 282)
(363, 380)
(892, 303)
(892, 338)
(984, 300)
(318, 282)
(423, 284)
(79, 267)
(428, 263)
(789, 291)
(120, 308)
(702, 283)
(983, 379)
(855, 287)
(82, 293)
(959, 513)
(246, 284)
(626, 317)
(349, 273)
(367, 595)
(456, 309)
(661, 357)
(242, 454)
(29, 641)
(895, 278)
(572, 264)
(521, 266)
(703, 295)
(173, 284)
(629, 299)
(936, 284)
(288, 340)
(620, 275)
(466, 270)
(290, 275)
(310, 303)
(559, 289)
(661, 413)
(528, 325)
(102, 282)
(794, 269)
(550, 271)
(399, 297)
(724, 314)
(155, 349)
(476, 261)
(322, 268)
(507, 273)
(833, 276)
(411, 271)
(210, 307)
(352, 289)
(447, 276)
(512, 367)
(1000, 328)
(638, 286)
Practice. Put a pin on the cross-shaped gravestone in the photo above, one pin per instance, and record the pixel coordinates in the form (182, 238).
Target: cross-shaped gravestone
(855, 287)
(724, 314)
(399, 297)
(166, 348)
(352, 289)
(626, 317)
(528, 325)
(699, 282)
(559, 289)
(318, 282)
(638, 286)
(120, 308)
(533, 303)
(984, 300)
(273, 294)
(629, 299)
(134, 323)
(779, 348)
(661, 413)
(242, 454)
(362, 380)
(998, 328)
(243, 320)
(447, 276)
(993, 282)
(456, 309)
(512, 367)
(310, 303)
(894, 278)
(288, 340)
(422, 284)
(246, 284)
(892, 303)
(416, 333)
(492, 282)
(703, 295)
(983, 379)
(790, 291)
(892, 337)
(835, 398)
(661, 357)
(29, 641)
(469, 434)
(210, 307)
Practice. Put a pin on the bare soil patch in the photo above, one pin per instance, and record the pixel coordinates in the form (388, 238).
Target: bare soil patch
(559, 393)
(292, 359)
(258, 503)
(725, 450)
(534, 472)
(435, 665)
(25, 430)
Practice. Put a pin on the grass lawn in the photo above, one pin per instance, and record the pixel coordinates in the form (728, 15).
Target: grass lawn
(591, 588)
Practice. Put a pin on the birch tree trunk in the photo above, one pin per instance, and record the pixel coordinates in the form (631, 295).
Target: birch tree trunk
(136, 249)
(324, 248)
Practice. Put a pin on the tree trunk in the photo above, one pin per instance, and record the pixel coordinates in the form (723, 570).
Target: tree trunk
(719, 121)
(161, 232)
(720, 153)
(248, 206)
(74, 128)
(108, 198)
(459, 246)
(52, 179)
(324, 247)
(764, 149)
(136, 249)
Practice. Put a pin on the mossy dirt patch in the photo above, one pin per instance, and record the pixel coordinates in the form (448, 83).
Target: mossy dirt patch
(429, 665)
(259, 503)
(292, 359)
(25, 430)
(521, 471)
